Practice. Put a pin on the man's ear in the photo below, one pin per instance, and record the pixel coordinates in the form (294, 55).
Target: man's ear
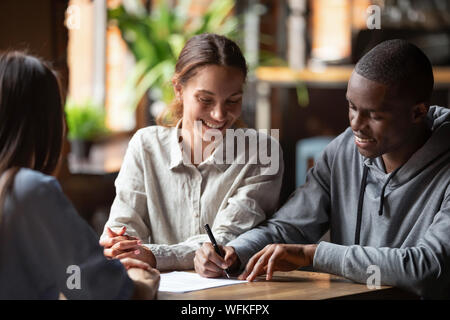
(419, 112)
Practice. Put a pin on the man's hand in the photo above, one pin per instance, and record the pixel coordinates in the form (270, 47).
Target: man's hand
(209, 264)
(278, 257)
(121, 246)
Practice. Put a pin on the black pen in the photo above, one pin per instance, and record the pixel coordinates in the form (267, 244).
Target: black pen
(214, 243)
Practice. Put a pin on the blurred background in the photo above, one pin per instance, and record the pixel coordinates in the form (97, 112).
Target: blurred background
(115, 59)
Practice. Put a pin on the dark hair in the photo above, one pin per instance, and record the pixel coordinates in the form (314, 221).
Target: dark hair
(399, 63)
(31, 117)
(201, 50)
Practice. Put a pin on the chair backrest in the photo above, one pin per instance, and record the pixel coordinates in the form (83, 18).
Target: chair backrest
(307, 152)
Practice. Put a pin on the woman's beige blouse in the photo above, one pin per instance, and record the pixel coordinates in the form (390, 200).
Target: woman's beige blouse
(166, 202)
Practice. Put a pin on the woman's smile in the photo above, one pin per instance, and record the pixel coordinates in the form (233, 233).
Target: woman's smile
(213, 125)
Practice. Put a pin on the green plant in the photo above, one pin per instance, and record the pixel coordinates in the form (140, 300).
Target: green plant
(85, 121)
(156, 38)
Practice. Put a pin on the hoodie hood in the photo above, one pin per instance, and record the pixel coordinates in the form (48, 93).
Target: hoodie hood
(435, 148)
(438, 117)
(438, 120)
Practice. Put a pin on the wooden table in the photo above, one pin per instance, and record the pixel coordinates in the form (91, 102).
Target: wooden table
(294, 285)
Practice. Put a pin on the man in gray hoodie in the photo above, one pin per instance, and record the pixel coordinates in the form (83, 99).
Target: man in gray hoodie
(382, 188)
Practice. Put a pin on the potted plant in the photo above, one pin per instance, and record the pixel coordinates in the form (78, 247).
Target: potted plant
(86, 123)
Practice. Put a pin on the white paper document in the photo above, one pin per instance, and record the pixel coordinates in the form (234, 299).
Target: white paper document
(178, 281)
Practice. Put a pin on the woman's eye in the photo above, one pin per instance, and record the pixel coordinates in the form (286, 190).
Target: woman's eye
(205, 101)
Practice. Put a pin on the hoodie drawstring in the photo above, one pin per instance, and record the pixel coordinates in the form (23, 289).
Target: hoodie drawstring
(380, 210)
(360, 204)
(361, 199)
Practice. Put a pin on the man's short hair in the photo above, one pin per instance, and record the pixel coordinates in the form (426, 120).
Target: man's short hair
(399, 63)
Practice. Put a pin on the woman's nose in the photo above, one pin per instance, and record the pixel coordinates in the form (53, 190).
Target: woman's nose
(219, 112)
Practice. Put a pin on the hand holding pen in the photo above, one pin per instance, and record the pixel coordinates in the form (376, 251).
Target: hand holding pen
(211, 260)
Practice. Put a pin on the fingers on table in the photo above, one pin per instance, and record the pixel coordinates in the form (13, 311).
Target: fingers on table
(259, 264)
(277, 254)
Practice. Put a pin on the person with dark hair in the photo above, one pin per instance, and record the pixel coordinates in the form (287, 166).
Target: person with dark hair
(175, 178)
(46, 248)
(382, 188)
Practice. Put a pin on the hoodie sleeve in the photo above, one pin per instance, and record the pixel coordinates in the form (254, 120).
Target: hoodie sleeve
(303, 219)
(423, 269)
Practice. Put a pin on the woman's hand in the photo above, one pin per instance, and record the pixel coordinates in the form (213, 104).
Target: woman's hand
(146, 279)
(278, 257)
(209, 264)
(142, 253)
(121, 246)
(111, 238)
(129, 263)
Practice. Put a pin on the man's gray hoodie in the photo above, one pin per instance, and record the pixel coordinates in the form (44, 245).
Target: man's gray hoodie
(404, 226)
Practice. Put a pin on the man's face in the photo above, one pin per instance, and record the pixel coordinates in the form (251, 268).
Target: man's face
(380, 120)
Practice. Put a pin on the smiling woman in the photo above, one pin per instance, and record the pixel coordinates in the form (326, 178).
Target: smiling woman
(164, 193)
(208, 83)
(213, 99)
(200, 51)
